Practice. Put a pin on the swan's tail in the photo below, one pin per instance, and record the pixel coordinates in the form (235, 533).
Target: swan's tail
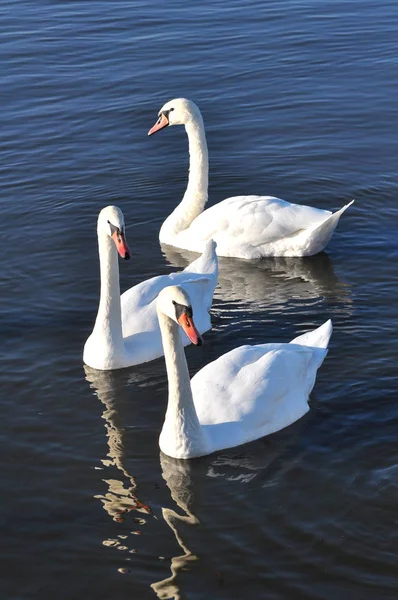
(207, 263)
(207, 266)
(318, 341)
(320, 234)
(317, 338)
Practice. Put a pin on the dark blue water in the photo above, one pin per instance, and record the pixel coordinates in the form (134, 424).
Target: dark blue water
(299, 100)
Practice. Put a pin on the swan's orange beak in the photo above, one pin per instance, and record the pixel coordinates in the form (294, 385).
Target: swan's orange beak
(161, 123)
(189, 327)
(121, 244)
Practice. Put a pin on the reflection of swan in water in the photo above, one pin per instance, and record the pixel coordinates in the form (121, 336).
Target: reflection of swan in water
(267, 459)
(271, 281)
(121, 497)
(176, 473)
(263, 461)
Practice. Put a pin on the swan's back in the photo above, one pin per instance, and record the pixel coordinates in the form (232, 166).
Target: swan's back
(244, 225)
(140, 325)
(199, 279)
(253, 391)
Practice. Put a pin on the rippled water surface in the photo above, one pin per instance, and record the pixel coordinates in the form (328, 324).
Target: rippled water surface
(299, 100)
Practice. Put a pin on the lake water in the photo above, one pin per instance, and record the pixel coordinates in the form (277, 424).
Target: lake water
(299, 100)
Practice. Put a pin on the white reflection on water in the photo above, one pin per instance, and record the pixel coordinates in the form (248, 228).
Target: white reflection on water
(121, 496)
(267, 458)
(178, 479)
(273, 281)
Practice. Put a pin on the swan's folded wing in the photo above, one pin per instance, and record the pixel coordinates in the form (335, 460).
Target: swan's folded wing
(199, 279)
(256, 390)
(139, 302)
(254, 219)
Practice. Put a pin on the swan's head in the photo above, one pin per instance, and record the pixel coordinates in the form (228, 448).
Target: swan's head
(111, 222)
(175, 303)
(175, 112)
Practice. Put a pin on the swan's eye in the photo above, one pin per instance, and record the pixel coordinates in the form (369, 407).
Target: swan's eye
(113, 228)
(183, 313)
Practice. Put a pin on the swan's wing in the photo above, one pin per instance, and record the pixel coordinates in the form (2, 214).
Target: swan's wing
(255, 390)
(139, 302)
(199, 279)
(256, 220)
(140, 325)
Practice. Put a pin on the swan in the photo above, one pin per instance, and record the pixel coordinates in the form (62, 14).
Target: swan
(126, 330)
(243, 226)
(245, 394)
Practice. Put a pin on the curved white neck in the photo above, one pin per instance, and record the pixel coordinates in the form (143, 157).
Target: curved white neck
(195, 196)
(182, 435)
(109, 318)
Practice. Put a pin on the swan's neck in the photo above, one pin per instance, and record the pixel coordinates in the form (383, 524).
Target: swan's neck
(195, 196)
(198, 180)
(109, 320)
(182, 435)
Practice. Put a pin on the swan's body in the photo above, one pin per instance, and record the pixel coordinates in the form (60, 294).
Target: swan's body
(243, 226)
(126, 330)
(245, 394)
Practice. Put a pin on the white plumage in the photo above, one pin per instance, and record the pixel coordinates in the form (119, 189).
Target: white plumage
(257, 226)
(245, 394)
(243, 226)
(126, 331)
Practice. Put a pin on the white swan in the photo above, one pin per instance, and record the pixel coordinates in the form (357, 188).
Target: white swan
(243, 226)
(245, 394)
(126, 330)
